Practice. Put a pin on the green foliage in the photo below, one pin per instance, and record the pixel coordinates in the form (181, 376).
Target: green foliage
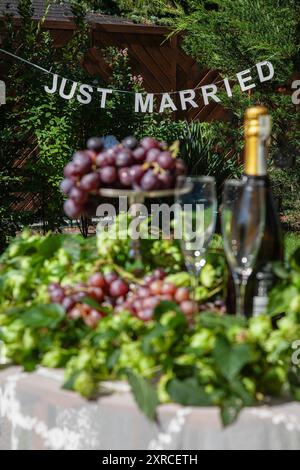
(39, 131)
(205, 153)
(217, 360)
(231, 36)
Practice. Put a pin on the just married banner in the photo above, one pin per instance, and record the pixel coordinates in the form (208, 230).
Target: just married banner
(159, 102)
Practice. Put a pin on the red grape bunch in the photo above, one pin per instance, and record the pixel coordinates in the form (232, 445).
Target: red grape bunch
(142, 299)
(105, 290)
(109, 290)
(141, 165)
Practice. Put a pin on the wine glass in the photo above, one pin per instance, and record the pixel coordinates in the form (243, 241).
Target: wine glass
(195, 220)
(243, 221)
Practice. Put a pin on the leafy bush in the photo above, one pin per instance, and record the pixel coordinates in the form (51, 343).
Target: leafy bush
(217, 360)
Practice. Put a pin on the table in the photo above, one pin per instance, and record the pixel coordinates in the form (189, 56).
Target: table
(35, 413)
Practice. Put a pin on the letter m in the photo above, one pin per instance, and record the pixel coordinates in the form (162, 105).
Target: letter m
(143, 106)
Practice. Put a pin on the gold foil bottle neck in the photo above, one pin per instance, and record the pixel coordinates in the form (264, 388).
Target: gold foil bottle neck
(257, 132)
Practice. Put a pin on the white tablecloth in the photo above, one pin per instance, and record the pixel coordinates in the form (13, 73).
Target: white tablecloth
(35, 413)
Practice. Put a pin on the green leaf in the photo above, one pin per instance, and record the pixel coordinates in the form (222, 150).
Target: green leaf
(166, 306)
(230, 410)
(50, 245)
(43, 316)
(188, 392)
(229, 358)
(145, 395)
(91, 302)
(295, 260)
(238, 388)
(213, 321)
(280, 298)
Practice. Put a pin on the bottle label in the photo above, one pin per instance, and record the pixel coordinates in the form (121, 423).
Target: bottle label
(265, 280)
(260, 304)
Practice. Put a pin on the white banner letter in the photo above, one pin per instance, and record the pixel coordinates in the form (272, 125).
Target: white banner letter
(187, 96)
(146, 106)
(242, 80)
(259, 66)
(104, 92)
(54, 85)
(167, 102)
(212, 93)
(86, 91)
(62, 89)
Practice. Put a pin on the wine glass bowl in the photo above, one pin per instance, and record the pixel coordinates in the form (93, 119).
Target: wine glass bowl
(196, 208)
(243, 219)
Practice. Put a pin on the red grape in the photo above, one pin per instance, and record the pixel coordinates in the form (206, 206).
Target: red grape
(108, 175)
(93, 318)
(125, 176)
(130, 142)
(150, 302)
(149, 143)
(74, 313)
(72, 209)
(166, 180)
(156, 287)
(110, 277)
(95, 143)
(83, 161)
(145, 314)
(168, 288)
(153, 155)
(159, 273)
(124, 157)
(66, 185)
(97, 280)
(139, 154)
(90, 182)
(79, 196)
(101, 160)
(188, 307)
(166, 161)
(136, 173)
(149, 181)
(71, 171)
(110, 155)
(96, 293)
(182, 294)
(57, 295)
(118, 288)
(143, 292)
(68, 303)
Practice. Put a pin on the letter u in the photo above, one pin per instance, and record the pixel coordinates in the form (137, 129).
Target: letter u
(62, 89)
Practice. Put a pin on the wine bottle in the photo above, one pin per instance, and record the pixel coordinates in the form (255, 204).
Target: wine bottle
(257, 131)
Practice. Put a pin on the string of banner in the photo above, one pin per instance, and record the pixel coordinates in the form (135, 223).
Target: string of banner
(146, 102)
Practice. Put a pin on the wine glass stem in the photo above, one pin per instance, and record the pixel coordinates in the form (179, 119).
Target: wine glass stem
(240, 282)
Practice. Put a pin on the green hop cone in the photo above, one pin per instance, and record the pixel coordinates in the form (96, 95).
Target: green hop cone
(30, 340)
(294, 306)
(207, 276)
(85, 384)
(260, 327)
(53, 358)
